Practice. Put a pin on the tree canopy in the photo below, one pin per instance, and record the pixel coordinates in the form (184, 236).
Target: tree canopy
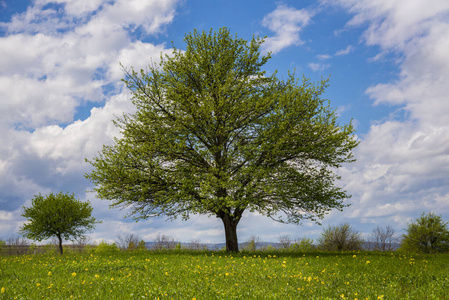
(214, 134)
(57, 215)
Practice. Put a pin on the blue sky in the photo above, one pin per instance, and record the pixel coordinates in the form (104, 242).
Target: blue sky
(388, 64)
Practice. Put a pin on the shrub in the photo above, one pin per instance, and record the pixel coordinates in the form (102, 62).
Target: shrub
(340, 238)
(106, 247)
(252, 244)
(142, 246)
(303, 245)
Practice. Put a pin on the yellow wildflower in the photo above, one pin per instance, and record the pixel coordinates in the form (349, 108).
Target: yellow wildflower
(3, 289)
(97, 276)
(49, 273)
(73, 274)
(368, 262)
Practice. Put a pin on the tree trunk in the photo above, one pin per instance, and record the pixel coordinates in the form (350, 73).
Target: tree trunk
(230, 226)
(60, 243)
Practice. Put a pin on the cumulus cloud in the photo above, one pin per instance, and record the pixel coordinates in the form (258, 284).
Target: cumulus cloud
(403, 163)
(58, 57)
(286, 22)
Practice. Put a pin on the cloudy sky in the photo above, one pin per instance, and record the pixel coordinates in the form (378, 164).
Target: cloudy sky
(388, 62)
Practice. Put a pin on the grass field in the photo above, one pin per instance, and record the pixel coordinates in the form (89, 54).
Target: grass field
(218, 275)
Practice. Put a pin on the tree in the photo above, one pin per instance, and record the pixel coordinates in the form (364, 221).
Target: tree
(340, 238)
(162, 242)
(383, 238)
(213, 134)
(285, 241)
(57, 215)
(427, 234)
(127, 241)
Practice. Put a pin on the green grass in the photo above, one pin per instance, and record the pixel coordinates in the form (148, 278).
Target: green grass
(218, 275)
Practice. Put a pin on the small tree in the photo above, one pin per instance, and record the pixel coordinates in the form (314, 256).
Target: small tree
(127, 241)
(383, 238)
(162, 242)
(285, 241)
(340, 238)
(59, 215)
(427, 234)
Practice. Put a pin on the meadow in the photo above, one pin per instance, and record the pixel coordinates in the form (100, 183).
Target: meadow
(220, 275)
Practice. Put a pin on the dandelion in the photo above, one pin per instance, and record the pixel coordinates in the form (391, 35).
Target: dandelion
(368, 262)
(380, 297)
(112, 278)
(354, 256)
(97, 276)
(38, 284)
(342, 296)
(73, 274)
(3, 290)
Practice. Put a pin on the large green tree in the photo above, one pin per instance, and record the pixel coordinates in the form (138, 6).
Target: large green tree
(57, 215)
(214, 134)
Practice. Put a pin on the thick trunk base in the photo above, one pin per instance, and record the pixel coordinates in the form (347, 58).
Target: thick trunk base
(230, 226)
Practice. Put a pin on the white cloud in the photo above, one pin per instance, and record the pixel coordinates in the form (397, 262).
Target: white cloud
(48, 74)
(324, 56)
(318, 66)
(55, 61)
(138, 55)
(345, 51)
(151, 16)
(402, 163)
(286, 22)
(394, 24)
